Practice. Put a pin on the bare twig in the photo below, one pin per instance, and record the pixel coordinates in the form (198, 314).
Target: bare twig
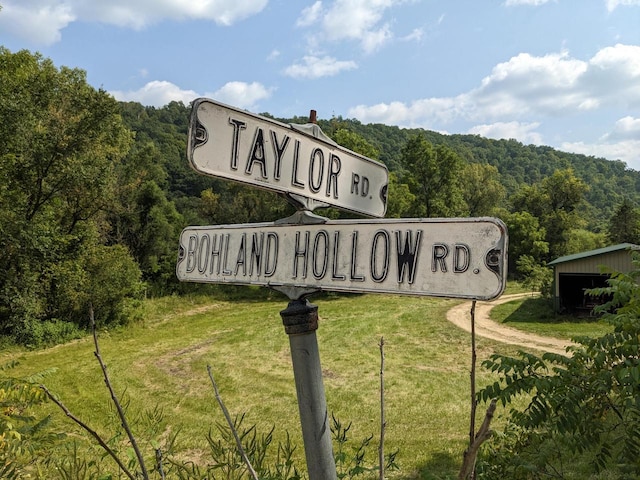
(114, 398)
(470, 455)
(468, 469)
(383, 422)
(91, 432)
(474, 402)
(230, 422)
(159, 463)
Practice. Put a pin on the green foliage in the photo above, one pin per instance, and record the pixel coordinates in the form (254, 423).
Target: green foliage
(433, 177)
(351, 461)
(536, 277)
(526, 237)
(555, 202)
(481, 188)
(584, 405)
(23, 437)
(624, 225)
(580, 240)
(60, 144)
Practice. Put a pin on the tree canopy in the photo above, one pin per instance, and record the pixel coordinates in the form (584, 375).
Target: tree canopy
(61, 142)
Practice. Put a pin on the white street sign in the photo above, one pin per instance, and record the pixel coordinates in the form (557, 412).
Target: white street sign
(456, 258)
(237, 145)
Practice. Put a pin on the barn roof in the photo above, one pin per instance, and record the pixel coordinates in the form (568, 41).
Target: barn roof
(594, 253)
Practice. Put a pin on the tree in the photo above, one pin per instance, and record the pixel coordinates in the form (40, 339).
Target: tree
(432, 174)
(60, 143)
(356, 143)
(580, 240)
(400, 199)
(481, 188)
(555, 201)
(143, 219)
(624, 225)
(526, 237)
(582, 409)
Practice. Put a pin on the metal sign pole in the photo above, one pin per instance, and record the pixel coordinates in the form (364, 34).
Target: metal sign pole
(300, 320)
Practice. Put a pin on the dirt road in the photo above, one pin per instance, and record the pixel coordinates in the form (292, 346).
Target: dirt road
(460, 315)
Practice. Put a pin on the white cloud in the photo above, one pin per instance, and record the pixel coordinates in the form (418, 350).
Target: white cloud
(310, 15)
(626, 150)
(38, 22)
(421, 113)
(415, 35)
(273, 55)
(548, 84)
(317, 67)
(357, 20)
(622, 143)
(613, 4)
(374, 39)
(41, 21)
(157, 94)
(626, 128)
(535, 3)
(241, 94)
(551, 85)
(523, 132)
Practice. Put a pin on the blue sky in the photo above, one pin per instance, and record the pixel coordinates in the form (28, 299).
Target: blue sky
(564, 73)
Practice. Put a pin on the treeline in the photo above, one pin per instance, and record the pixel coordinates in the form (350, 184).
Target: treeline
(94, 194)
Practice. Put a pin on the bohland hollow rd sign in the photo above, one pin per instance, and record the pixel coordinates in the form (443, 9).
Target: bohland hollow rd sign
(456, 258)
(233, 144)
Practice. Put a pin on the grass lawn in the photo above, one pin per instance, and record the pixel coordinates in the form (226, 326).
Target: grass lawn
(162, 363)
(535, 315)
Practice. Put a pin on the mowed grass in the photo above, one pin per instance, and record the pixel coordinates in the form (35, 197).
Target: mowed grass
(162, 362)
(535, 315)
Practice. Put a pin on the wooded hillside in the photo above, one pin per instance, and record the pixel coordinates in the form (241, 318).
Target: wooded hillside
(94, 194)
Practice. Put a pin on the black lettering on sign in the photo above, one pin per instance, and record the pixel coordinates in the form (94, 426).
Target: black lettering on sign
(237, 126)
(321, 253)
(462, 258)
(203, 268)
(359, 185)
(336, 251)
(257, 154)
(271, 252)
(224, 239)
(241, 259)
(335, 165)
(380, 274)
(440, 252)
(294, 173)
(301, 253)
(316, 155)
(278, 151)
(355, 182)
(191, 253)
(408, 250)
(354, 258)
(257, 247)
(215, 253)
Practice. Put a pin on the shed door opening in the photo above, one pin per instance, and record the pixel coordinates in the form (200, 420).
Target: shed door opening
(572, 290)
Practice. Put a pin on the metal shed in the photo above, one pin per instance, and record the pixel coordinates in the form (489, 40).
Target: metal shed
(574, 274)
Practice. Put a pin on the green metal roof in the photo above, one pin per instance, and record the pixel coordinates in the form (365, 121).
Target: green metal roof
(593, 253)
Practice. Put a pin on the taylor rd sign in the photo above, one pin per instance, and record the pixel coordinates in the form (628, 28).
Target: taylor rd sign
(237, 145)
(455, 258)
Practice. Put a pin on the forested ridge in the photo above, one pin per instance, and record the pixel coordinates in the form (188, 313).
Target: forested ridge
(94, 194)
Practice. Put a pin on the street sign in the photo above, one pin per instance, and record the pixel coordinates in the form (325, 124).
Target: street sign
(455, 258)
(237, 145)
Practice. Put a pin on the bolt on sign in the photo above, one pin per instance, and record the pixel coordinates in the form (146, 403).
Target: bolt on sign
(455, 258)
(237, 145)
